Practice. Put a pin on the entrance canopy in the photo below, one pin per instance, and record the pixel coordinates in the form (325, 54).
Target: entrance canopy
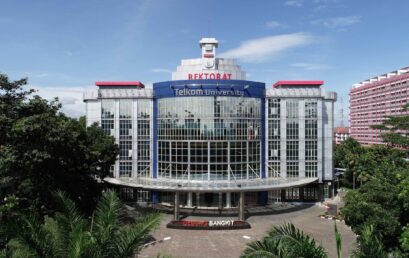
(249, 185)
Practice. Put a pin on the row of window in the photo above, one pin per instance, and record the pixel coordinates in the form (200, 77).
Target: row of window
(209, 107)
(144, 108)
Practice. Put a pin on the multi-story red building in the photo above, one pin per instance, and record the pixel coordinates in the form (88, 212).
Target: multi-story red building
(373, 100)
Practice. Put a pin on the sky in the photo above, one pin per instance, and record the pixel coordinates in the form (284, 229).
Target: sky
(63, 47)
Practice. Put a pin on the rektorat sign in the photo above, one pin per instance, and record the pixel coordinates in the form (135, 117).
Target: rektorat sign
(209, 92)
(209, 76)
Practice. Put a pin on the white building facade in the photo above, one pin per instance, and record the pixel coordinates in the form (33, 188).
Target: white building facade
(215, 139)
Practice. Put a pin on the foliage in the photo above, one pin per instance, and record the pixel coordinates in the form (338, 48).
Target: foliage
(285, 241)
(338, 241)
(42, 150)
(404, 239)
(369, 246)
(375, 204)
(69, 234)
(382, 199)
(363, 164)
(395, 130)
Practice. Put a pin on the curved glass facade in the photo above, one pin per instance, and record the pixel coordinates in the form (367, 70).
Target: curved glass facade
(209, 138)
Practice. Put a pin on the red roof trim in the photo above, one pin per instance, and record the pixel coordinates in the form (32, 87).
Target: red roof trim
(136, 84)
(298, 83)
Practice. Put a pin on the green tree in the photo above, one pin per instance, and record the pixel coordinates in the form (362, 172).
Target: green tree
(376, 204)
(284, 241)
(42, 150)
(396, 129)
(369, 245)
(70, 234)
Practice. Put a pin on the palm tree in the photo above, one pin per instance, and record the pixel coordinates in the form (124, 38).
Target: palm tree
(285, 241)
(369, 245)
(69, 234)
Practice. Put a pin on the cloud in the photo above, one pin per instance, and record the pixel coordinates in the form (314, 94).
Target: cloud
(256, 50)
(161, 70)
(275, 25)
(295, 3)
(309, 66)
(71, 98)
(338, 22)
(325, 1)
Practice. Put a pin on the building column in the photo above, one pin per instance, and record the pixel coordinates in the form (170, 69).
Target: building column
(197, 199)
(189, 199)
(228, 200)
(176, 206)
(220, 201)
(241, 206)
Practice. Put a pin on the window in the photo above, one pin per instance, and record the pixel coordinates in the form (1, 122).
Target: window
(125, 169)
(311, 169)
(292, 169)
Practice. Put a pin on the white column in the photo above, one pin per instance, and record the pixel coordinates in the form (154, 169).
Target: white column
(301, 138)
(176, 206)
(241, 206)
(116, 134)
(283, 138)
(228, 200)
(189, 199)
(197, 199)
(220, 201)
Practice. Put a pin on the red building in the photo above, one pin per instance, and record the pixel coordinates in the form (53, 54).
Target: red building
(372, 100)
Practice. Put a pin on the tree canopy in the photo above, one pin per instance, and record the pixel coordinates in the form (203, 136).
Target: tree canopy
(381, 200)
(396, 129)
(42, 150)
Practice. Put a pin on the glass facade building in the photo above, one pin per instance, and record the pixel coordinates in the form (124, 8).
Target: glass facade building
(209, 133)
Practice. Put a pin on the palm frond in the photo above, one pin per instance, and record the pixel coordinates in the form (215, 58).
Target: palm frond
(69, 224)
(32, 234)
(130, 239)
(295, 243)
(338, 240)
(264, 248)
(369, 245)
(79, 244)
(106, 222)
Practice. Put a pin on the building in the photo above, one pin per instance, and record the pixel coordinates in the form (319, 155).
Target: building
(372, 100)
(341, 134)
(211, 138)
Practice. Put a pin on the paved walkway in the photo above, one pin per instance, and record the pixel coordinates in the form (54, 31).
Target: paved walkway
(231, 243)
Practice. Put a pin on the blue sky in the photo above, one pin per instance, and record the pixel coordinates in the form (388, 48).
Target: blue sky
(63, 47)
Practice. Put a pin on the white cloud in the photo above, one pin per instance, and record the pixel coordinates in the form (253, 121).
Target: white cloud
(256, 50)
(325, 1)
(275, 25)
(161, 70)
(71, 98)
(295, 3)
(338, 22)
(309, 66)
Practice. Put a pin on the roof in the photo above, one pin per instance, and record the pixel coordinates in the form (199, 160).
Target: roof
(298, 83)
(246, 185)
(341, 130)
(384, 77)
(115, 84)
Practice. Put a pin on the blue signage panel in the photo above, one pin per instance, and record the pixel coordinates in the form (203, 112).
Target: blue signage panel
(197, 88)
